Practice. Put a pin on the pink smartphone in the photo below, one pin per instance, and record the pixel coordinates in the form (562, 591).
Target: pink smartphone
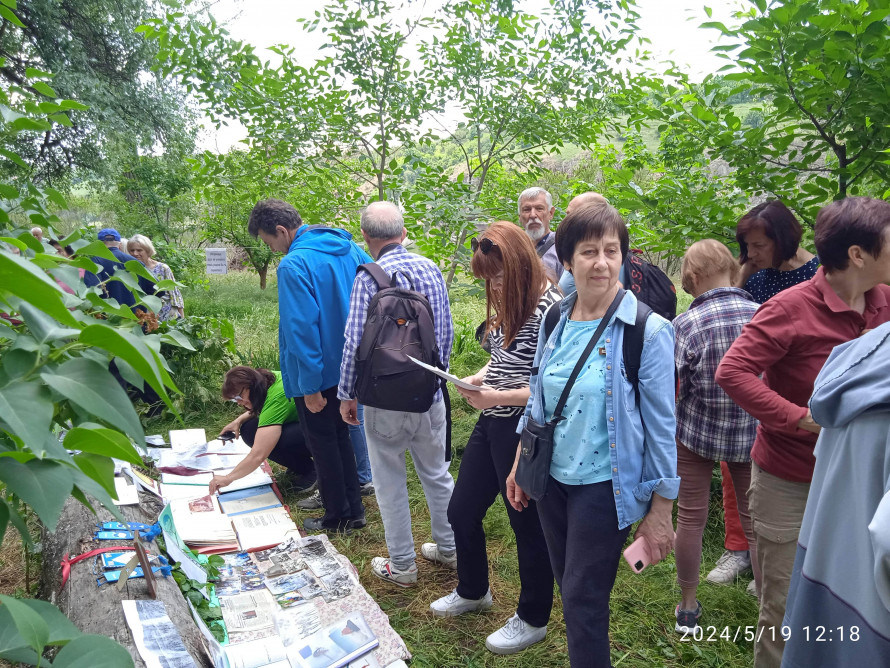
(637, 555)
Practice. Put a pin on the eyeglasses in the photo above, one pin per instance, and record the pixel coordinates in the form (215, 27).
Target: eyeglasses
(485, 245)
(237, 399)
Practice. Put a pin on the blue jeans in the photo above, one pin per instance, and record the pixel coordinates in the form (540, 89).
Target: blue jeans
(360, 446)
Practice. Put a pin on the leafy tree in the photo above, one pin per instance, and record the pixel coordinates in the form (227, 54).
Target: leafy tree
(821, 66)
(228, 186)
(526, 85)
(98, 59)
(57, 395)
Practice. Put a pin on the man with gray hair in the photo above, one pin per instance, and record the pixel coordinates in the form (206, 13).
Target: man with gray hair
(535, 213)
(391, 433)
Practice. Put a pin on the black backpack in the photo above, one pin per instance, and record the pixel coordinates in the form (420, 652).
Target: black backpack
(651, 286)
(632, 348)
(400, 323)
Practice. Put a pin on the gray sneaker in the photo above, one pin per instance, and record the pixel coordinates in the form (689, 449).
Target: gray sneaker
(366, 489)
(311, 502)
(729, 567)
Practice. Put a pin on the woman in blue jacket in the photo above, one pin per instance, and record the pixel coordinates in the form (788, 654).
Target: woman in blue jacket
(614, 456)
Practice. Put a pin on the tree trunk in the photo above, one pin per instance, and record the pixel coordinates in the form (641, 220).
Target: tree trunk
(262, 271)
(96, 609)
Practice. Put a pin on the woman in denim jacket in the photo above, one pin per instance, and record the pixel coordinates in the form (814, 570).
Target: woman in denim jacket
(614, 462)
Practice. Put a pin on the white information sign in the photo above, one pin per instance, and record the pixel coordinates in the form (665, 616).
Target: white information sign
(216, 260)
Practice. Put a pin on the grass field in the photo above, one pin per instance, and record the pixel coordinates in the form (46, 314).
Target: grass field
(642, 606)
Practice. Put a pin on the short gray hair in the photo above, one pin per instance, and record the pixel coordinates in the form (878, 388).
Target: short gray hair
(141, 240)
(533, 193)
(382, 220)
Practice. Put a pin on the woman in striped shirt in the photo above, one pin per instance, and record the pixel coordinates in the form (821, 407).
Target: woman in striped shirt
(518, 295)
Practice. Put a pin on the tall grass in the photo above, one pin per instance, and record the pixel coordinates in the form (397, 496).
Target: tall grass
(642, 619)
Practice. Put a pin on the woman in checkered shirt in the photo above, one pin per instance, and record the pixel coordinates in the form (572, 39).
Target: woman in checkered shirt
(710, 426)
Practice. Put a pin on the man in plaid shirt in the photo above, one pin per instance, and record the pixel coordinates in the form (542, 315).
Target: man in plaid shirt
(710, 426)
(391, 433)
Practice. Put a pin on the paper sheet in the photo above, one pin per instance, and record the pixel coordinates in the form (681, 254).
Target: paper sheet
(250, 611)
(127, 494)
(156, 637)
(447, 376)
(183, 439)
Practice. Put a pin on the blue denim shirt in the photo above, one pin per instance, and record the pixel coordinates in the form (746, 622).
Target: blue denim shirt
(642, 448)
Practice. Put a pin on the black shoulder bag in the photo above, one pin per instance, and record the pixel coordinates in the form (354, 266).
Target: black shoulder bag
(536, 441)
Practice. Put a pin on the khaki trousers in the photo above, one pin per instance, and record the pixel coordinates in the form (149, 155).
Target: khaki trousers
(777, 508)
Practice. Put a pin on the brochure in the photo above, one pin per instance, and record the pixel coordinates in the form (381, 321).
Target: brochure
(155, 635)
(447, 376)
(251, 611)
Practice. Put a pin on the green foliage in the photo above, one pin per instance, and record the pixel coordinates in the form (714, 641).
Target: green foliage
(820, 130)
(98, 59)
(200, 366)
(193, 591)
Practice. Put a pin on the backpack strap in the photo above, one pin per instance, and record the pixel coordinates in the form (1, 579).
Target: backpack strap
(376, 272)
(632, 348)
(551, 318)
(546, 247)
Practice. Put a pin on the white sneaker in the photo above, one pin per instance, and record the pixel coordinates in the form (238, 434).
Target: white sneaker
(454, 604)
(729, 567)
(382, 567)
(751, 589)
(430, 552)
(515, 636)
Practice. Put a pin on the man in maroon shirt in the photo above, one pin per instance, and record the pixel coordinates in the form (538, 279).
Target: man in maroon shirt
(788, 341)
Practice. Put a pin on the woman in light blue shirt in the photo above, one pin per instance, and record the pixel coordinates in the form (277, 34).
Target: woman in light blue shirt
(614, 456)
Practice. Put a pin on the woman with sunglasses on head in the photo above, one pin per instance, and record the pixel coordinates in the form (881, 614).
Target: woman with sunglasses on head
(614, 458)
(518, 294)
(270, 426)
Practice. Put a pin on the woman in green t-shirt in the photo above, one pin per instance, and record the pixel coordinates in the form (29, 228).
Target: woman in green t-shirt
(270, 426)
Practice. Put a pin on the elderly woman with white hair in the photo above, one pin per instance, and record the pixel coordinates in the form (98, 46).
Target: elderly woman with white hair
(141, 247)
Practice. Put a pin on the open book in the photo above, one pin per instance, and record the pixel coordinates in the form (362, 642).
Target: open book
(258, 531)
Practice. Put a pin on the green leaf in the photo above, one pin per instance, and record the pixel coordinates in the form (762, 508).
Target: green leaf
(135, 352)
(31, 627)
(176, 338)
(44, 89)
(26, 410)
(90, 437)
(96, 248)
(18, 362)
(19, 523)
(8, 14)
(56, 197)
(30, 283)
(99, 469)
(26, 123)
(42, 484)
(61, 630)
(4, 522)
(43, 328)
(10, 155)
(93, 651)
(91, 387)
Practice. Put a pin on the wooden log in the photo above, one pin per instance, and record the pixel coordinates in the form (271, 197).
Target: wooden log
(95, 609)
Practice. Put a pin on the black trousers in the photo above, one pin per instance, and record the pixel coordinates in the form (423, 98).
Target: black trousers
(327, 438)
(290, 451)
(581, 526)
(486, 463)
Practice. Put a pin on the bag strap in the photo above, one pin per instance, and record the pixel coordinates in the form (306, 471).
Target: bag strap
(551, 318)
(376, 272)
(546, 247)
(632, 347)
(604, 322)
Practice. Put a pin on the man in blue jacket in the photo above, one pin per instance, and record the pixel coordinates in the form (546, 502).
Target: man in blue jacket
(116, 289)
(314, 283)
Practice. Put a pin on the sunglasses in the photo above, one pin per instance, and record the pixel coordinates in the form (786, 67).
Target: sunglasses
(485, 245)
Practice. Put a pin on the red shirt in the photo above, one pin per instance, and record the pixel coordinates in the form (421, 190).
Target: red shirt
(788, 341)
